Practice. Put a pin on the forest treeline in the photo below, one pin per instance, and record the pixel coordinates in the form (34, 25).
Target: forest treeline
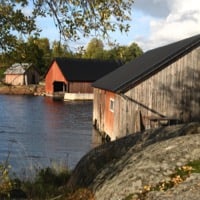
(40, 52)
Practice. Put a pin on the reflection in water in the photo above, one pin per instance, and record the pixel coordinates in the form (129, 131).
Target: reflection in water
(38, 132)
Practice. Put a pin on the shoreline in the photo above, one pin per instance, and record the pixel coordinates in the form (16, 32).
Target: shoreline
(35, 90)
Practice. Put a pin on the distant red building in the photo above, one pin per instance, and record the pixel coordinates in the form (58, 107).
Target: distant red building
(66, 75)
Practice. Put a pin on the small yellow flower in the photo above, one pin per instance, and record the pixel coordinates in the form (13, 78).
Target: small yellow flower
(177, 179)
(187, 168)
(147, 187)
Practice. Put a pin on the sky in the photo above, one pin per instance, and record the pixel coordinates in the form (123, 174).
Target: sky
(154, 23)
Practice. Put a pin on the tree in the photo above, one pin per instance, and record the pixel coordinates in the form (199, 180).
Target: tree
(74, 18)
(94, 49)
(60, 50)
(27, 52)
(35, 51)
(12, 20)
(44, 46)
(123, 53)
(116, 53)
(132, 51)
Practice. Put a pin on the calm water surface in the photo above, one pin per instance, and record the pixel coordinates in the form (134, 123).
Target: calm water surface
(37, 132)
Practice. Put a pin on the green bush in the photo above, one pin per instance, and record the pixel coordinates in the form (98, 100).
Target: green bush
(47, 184)
(2, 70)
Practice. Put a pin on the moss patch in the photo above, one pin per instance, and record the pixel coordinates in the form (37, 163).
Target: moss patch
(180, 175)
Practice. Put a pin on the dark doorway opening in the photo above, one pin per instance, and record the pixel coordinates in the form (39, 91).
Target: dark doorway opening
(33, 79)
(59, 86)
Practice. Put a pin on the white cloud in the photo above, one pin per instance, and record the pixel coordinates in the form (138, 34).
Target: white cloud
(154, 8)
(181, 20)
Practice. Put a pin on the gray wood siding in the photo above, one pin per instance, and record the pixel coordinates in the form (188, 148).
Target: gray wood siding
(99, 109)
(172, 92)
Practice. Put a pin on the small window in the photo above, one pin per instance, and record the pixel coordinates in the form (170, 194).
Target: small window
(112, 105)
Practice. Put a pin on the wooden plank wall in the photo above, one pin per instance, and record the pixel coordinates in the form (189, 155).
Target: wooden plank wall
(171, 92)
(99, 109)
(103, 117)
(80, 87)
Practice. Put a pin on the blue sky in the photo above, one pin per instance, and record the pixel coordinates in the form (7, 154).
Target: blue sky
(154, 23)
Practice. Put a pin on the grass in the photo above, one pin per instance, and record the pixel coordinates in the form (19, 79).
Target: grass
(195, 166)
(129, 197)
(48, 184)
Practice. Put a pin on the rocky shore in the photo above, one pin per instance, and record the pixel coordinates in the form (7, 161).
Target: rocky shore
(123, 169)
(23, 90)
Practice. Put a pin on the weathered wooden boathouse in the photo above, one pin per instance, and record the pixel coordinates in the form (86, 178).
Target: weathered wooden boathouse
(161, 87)
(73, 77)
(22, 74)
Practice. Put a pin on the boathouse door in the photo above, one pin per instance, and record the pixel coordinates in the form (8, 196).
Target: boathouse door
(59, 86)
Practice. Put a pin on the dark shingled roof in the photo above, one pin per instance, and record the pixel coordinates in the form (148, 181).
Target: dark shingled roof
(85, 69)
(146, 65)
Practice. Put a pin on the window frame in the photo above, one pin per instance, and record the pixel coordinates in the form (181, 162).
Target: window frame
(111, 104)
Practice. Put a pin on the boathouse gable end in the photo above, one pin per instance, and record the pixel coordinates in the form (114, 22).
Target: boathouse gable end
(104, 109)
(54, 79)
(167, 93)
